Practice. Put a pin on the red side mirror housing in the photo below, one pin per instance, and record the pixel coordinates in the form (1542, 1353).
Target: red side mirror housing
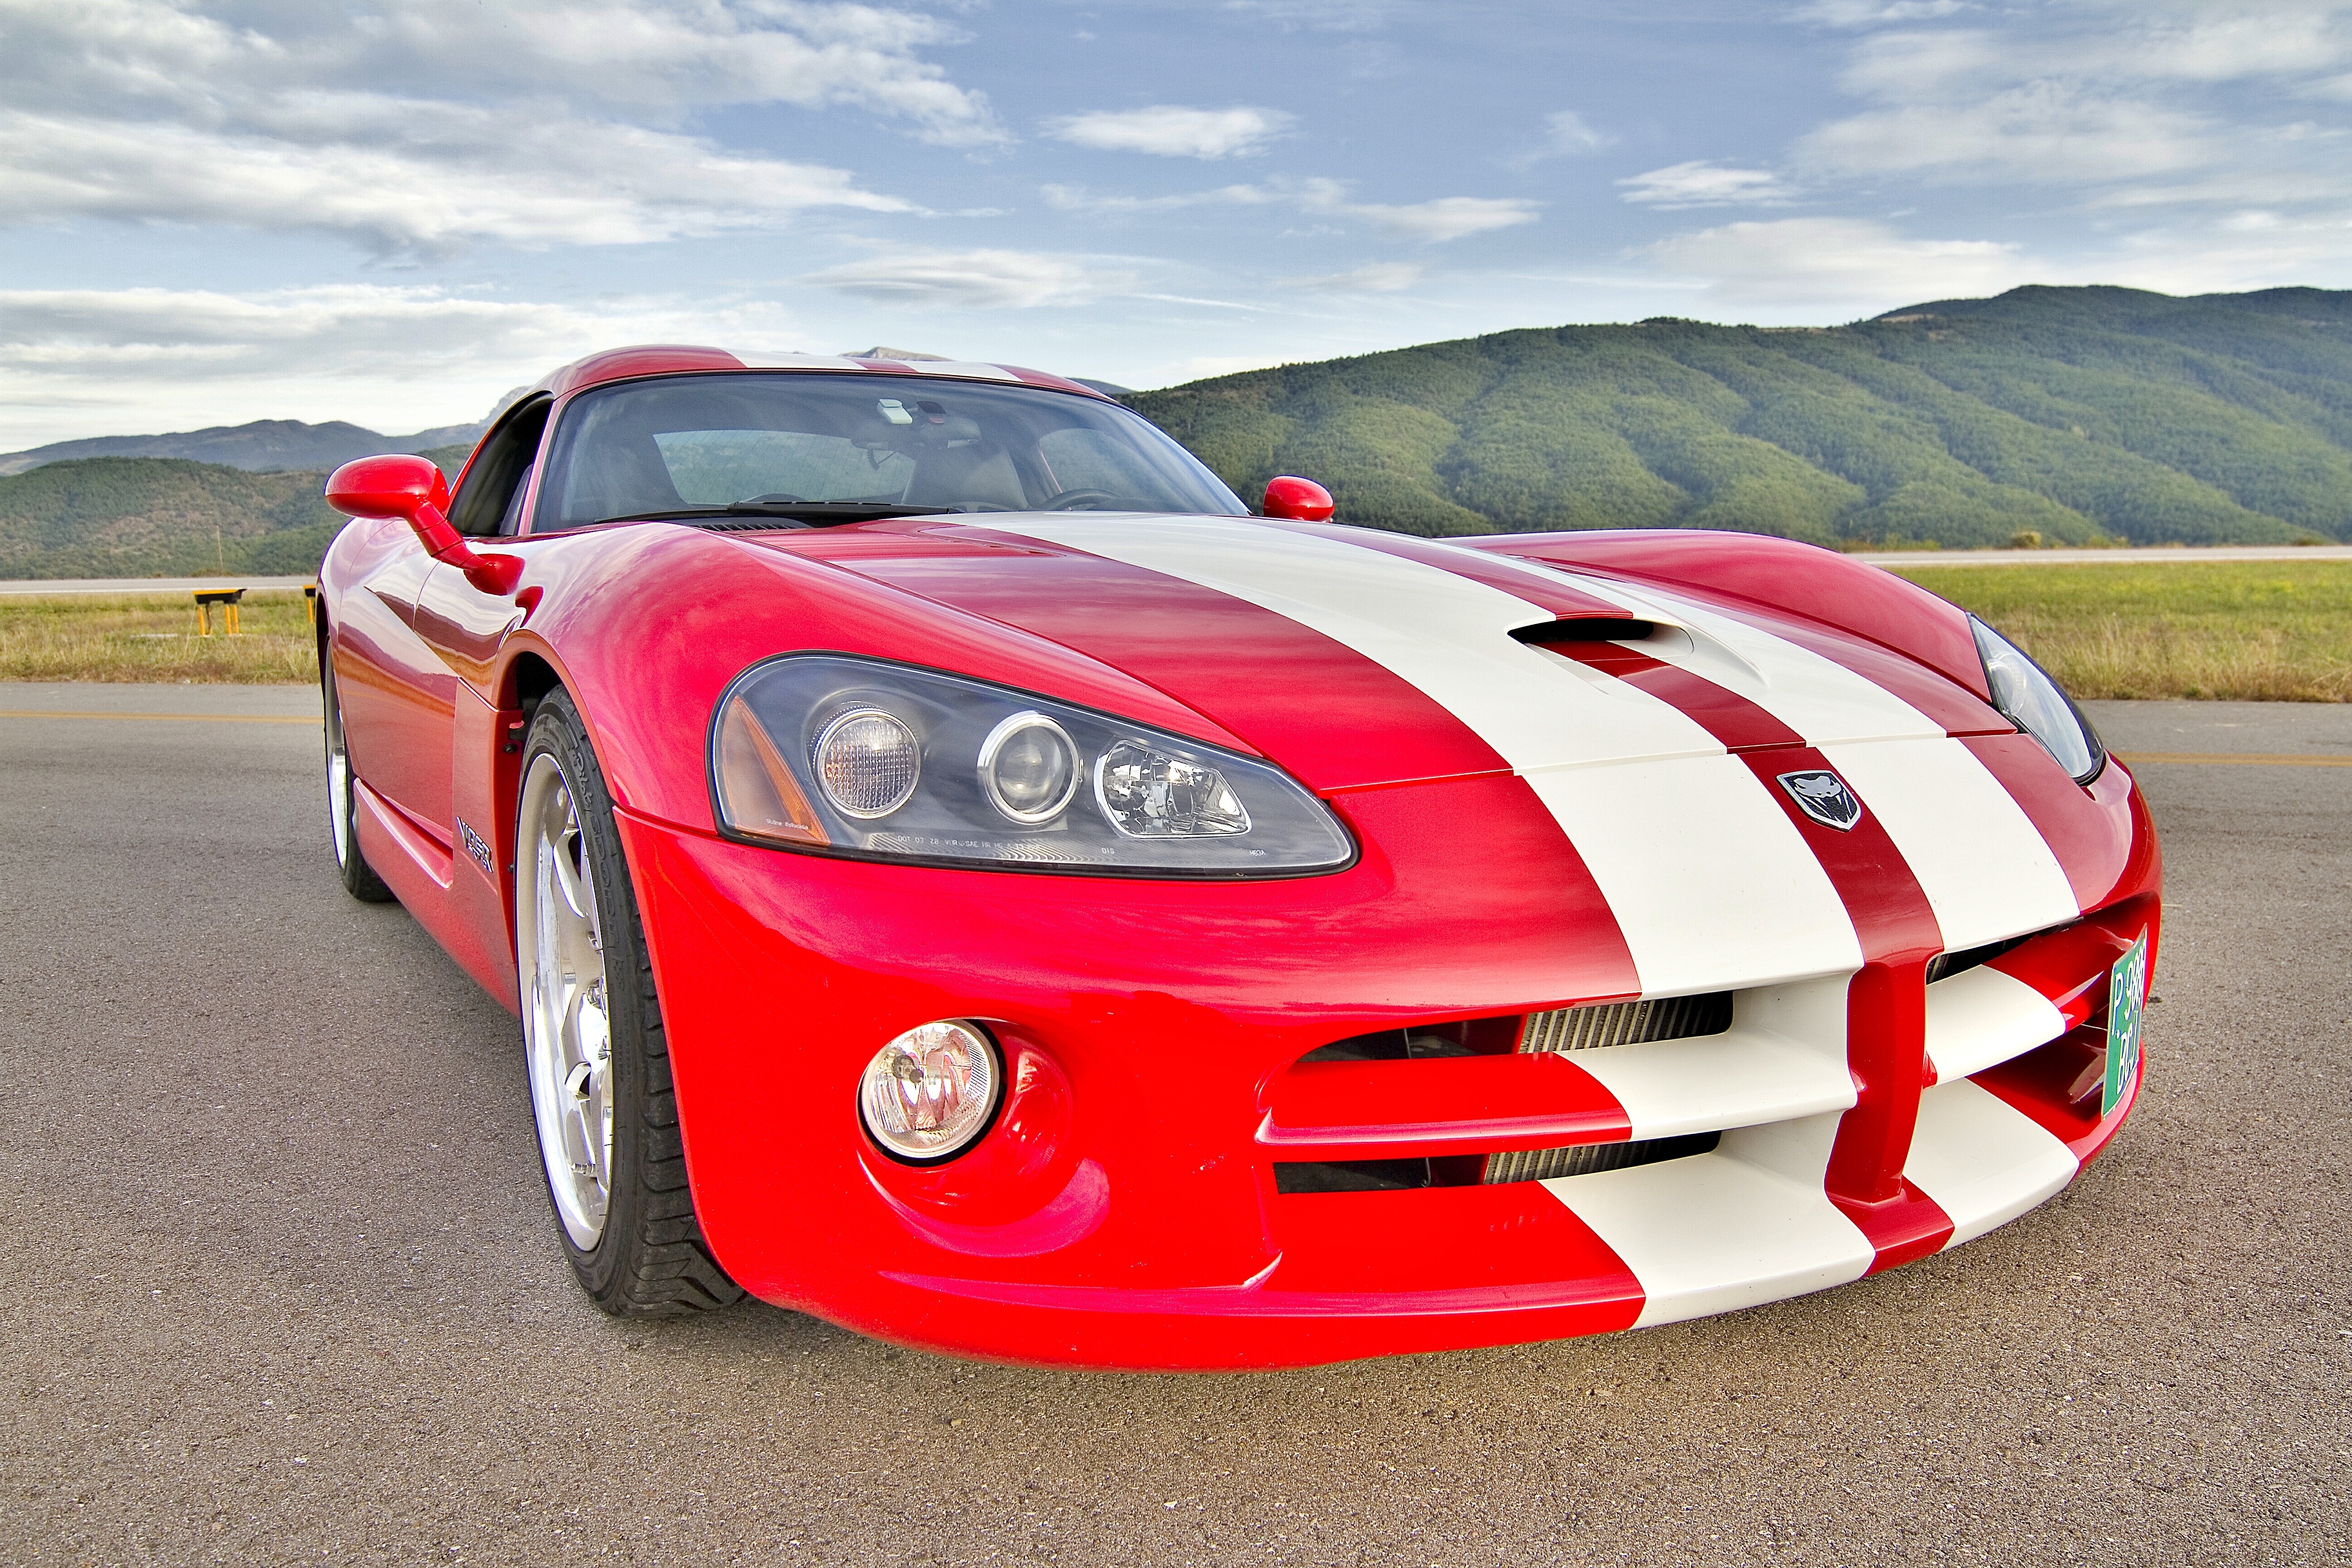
(396, 485)
(415, 490)
(1302, 500)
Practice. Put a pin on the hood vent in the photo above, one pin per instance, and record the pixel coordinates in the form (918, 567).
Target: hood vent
(1587, 628)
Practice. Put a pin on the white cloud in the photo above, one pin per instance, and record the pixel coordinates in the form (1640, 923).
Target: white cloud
(2105, 97)
(1699, 184)
(1433, 222)
(1323, 16)
(1373, 278)
(2043, 132)
(1871, 13)
(518, 178)
(1565, 132)
(546, 122)
(974, 280)
(80, 362)
(1837, 261)
(1166, 131)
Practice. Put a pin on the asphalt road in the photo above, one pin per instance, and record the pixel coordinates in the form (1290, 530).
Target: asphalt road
(281, 1285)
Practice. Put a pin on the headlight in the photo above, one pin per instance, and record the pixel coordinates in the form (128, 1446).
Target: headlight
(2030, 699)
(928, 1094)
(863, 758)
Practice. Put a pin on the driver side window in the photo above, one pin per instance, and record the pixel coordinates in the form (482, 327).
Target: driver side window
(490, 501)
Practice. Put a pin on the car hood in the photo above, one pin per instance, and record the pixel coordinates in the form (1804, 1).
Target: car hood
(1438, 693)
(1362, 660)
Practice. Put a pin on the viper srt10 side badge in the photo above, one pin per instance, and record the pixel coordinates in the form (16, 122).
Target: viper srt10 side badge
(1823, 795)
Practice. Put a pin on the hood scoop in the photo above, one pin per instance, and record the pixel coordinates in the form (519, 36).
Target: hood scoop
(1586, 629)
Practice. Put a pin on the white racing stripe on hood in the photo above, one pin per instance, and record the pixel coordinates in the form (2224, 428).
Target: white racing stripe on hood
(1987, 871)
(1709, 881)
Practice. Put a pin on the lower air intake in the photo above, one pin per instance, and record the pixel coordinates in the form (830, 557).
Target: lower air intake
(1586, 1159)
(1628, 1022)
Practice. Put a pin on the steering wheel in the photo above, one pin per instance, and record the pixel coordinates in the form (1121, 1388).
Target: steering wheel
(1071, 500)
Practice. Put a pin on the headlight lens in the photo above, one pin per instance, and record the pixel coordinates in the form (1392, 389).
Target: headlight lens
(928, 1094)
(2030, 699)
(873, 760)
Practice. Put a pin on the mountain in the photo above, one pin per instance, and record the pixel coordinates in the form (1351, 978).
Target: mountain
(262, 447)
(2080, 414)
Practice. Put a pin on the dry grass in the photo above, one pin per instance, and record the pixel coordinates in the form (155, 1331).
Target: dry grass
(2259, 630)
(2262, 631)
(153, 637)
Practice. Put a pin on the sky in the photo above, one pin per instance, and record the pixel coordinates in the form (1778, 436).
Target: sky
(213, 211)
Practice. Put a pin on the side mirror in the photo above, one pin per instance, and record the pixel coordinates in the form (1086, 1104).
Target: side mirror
(415, 491)
(1302, 500)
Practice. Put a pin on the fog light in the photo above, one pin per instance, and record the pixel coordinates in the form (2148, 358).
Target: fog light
(930, 1093)
(869, 762)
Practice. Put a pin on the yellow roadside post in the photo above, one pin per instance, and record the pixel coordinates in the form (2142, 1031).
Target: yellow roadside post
(311, 603)
(226, 598)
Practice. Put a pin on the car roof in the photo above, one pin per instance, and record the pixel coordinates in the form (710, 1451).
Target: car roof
(672, 359)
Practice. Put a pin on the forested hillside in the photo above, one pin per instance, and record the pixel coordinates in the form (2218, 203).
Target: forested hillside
(2080, 414)
(147, 517)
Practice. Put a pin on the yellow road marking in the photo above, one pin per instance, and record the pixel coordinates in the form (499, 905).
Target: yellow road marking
(183, 718)
(2244, 760)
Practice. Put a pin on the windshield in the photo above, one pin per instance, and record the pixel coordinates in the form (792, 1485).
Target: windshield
(684, 444)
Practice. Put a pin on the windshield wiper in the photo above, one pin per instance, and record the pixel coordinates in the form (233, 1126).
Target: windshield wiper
(816, 514)
(813, 513)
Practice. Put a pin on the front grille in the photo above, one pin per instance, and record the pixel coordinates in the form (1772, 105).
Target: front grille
(1628, 1022)
(1585, 1159)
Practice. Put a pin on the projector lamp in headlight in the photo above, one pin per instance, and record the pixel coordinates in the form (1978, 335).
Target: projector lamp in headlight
(1029, 768)
(927, 1095)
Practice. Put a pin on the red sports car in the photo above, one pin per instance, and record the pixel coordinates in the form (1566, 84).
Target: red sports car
(963, 876)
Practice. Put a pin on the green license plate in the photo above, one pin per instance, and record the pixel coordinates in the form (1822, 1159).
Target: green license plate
(2126, 1006)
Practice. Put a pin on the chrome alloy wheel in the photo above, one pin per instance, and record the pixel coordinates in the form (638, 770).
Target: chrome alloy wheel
(567, 1034)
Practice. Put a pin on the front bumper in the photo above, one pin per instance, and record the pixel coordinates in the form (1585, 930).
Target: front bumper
(1125, 1211)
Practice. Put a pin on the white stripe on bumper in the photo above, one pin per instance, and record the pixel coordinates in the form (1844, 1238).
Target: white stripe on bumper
(1714, 1233)
(1983, 1160)
(1983, 1017)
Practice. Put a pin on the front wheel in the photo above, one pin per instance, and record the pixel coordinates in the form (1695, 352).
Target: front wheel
(592, 1042)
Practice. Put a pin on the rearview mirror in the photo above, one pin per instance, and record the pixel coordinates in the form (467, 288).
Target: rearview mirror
(415, 490)
(1301, 500)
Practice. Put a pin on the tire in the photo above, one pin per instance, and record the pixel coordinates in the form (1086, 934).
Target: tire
(592, 1042)
(359, 877)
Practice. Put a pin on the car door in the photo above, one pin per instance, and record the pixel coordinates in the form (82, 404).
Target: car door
(396, 694)
(463, 628)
